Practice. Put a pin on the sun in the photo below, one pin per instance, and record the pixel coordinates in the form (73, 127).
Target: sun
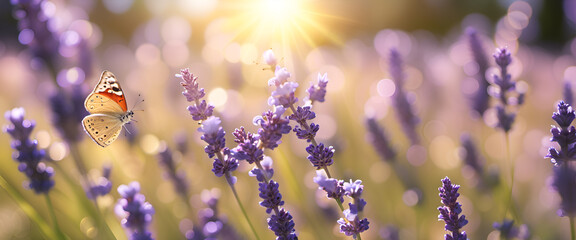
(291, 24)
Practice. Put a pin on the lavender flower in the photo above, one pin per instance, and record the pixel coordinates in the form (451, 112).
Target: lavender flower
(403, 107)
(272, 126)
(471, 157)
(135, 212)
(451, 210)
(264, 173)
(480, 102)
(178, 178)
(247, 148)
(282, 225)
(272, 198)
(224, 163)
(281, 75)
(317, 92)
(102, 186)
(564, 176)
(334, 188)
(303, 130)
(564, 182)
(353, 224)
(213, 135)
(280, 222)
(200, 110)
(284, 95)
(564, 134)
(504, 82)
(320, 156)
(379, 140)
(27, 153)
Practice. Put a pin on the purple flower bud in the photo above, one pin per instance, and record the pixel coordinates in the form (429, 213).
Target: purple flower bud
(269, 58)
(502, 57)
(318, 92)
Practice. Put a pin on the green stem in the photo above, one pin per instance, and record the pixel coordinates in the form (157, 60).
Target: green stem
(53, 216)
(30, 211)
(242, 207)
(572, 230)
(510, 200)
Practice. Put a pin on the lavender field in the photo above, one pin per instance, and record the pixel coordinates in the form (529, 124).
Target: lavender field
(278, 119)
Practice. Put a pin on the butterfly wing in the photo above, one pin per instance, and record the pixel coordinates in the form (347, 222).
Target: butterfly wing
(107, 96)
(102, 128)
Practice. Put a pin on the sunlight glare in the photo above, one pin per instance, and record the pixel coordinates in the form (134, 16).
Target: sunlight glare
(279, 11)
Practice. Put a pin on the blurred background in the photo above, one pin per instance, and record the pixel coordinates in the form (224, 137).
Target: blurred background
(145, 43)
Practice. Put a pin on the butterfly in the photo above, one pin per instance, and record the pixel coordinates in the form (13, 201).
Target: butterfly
(108, 111)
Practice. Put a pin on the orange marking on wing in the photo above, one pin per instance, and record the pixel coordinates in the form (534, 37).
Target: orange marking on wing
(118, 99)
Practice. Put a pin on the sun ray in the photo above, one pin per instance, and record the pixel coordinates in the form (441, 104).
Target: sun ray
(293, 24)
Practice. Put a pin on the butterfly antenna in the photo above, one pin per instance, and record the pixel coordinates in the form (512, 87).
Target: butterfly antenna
(140, 100)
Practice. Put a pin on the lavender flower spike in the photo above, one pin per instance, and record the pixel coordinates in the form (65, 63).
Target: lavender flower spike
(480, 101)
(135, 212)
(200, 110)
(404, 109)
(504, 82)
(564, 178)
(451, 210)
(353, 225)
(27, 153)
(225, 162)
(564, 134)
(379, 140)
